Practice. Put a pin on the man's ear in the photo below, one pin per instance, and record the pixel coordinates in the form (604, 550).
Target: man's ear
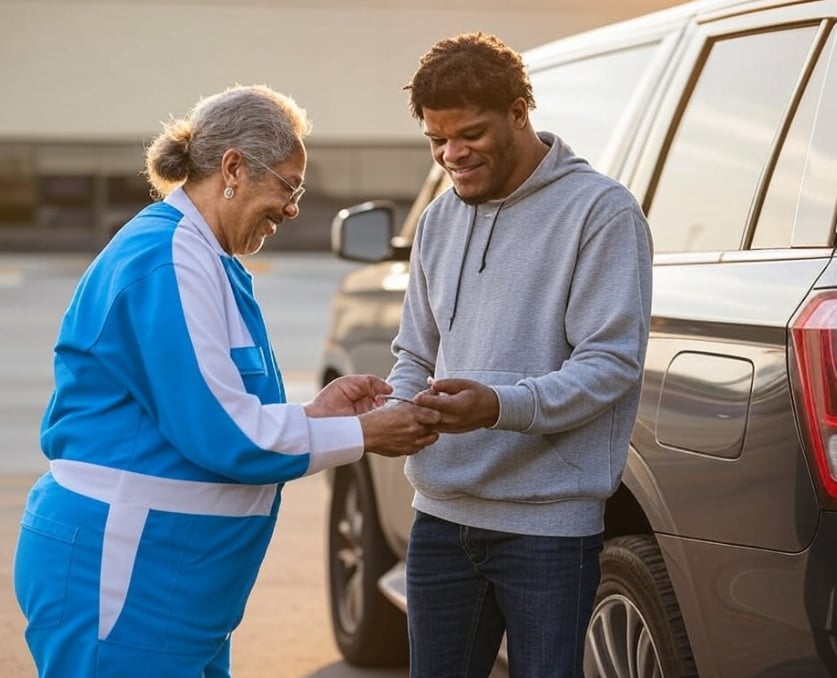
(519, 113)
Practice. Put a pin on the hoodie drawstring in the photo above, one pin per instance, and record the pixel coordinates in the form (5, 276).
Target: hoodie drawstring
(465, 254)
(490, 234)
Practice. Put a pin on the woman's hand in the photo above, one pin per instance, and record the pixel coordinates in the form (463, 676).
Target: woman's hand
(349, 395)
(399, 429)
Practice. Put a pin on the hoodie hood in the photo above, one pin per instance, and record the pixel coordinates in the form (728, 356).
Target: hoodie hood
(558, 162)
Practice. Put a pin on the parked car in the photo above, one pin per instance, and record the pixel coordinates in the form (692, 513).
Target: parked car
(721, 542)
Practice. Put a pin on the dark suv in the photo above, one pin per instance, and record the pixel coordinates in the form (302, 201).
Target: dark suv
(721, 541)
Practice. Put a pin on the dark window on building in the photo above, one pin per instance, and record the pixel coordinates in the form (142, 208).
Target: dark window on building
(66, 201)
(126, 195)
(17, 187)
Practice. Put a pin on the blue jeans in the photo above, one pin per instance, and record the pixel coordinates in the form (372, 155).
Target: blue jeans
(467, 586)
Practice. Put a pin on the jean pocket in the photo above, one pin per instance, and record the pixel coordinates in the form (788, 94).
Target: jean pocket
(42, 569)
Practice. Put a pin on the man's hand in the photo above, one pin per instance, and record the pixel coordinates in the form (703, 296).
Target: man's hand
(464, 405)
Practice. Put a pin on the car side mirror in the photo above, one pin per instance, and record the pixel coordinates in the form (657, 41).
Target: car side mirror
(365, 233)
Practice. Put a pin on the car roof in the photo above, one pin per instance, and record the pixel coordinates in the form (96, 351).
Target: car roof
(632, 31)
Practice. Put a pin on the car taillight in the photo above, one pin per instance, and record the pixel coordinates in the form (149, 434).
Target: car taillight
(814, 361)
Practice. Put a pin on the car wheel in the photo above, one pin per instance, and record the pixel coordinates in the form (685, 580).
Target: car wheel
(636, 628)
(368, 628)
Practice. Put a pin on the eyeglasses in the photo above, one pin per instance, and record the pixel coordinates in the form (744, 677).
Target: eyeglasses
(296, 191)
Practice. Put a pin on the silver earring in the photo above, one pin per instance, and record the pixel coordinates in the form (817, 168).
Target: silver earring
(229, 192)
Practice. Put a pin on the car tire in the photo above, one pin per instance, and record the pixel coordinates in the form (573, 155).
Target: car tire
(368, 629)
(636, 628)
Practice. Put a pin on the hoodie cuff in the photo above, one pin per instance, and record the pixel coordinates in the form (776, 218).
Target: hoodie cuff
(517, 408)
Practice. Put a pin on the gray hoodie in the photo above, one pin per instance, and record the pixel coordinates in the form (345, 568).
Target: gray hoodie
(545, 297)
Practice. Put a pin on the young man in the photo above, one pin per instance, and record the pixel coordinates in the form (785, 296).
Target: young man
(528, 303)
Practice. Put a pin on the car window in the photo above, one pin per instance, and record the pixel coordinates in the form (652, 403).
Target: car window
(435, 183)
(724, 138)
(799, 206)
(581, 101)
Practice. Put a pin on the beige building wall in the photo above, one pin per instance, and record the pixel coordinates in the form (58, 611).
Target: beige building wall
(111, 69)
(85, 83)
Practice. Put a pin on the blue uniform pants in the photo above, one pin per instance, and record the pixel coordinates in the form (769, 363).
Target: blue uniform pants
(188, 587)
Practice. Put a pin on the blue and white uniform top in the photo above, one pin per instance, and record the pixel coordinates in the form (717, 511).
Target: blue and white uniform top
(169, 409)
(163, 366)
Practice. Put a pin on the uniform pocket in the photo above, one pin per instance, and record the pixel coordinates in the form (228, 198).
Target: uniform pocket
(42, 568)
(252, 367)
(249, 360)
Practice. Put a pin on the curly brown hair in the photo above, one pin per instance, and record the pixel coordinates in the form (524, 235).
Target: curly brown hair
(469, 69)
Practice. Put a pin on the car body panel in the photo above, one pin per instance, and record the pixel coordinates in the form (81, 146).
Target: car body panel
(762, 612)
(722, 315)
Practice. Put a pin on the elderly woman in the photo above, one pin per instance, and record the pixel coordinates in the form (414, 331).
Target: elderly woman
(168, 433)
